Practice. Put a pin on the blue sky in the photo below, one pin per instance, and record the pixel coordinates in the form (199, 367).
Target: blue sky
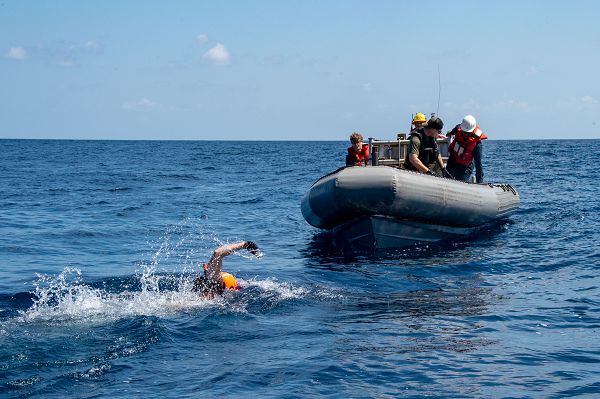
(296, 70)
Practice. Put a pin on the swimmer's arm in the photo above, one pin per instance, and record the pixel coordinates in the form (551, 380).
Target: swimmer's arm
(213, 269)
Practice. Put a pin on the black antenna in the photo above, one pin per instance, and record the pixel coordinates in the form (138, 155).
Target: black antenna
(437, 111)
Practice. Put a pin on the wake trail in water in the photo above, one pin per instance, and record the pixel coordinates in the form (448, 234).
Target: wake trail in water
(66, 298)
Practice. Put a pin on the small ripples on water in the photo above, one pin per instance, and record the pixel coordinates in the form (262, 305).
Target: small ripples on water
(66, 312)
(116, 240)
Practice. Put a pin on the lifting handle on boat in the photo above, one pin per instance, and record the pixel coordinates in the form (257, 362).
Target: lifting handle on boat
(447, 174)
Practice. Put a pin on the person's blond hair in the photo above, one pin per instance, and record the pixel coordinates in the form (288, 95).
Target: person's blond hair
(356, 138)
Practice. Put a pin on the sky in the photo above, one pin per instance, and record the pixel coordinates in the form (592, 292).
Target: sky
(296, 70)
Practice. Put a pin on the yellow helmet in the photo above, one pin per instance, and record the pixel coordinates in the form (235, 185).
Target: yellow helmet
(419, 117)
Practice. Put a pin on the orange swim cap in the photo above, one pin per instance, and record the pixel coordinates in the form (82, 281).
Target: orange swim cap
(229, 281)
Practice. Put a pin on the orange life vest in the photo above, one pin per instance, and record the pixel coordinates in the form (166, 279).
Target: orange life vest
(359, 157)
(461, 149)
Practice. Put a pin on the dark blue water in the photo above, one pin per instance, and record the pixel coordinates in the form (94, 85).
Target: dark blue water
(99, 241)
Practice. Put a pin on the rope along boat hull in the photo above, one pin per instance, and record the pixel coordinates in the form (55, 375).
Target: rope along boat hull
(391, 207)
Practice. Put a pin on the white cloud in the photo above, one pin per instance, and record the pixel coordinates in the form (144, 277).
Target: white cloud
(66, 63)
(61, 53)
(218, 55)
(92, 45)
(202, 38)
(466, 106)
(589, 100)
(367, 87)
(141, 104)
(473, 106)
(512, 104)
(17, 53)
(576, 103)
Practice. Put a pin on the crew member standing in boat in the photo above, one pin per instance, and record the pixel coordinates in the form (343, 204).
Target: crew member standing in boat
(358, 153)
(214, 281)
(422, 149)
(466, 150)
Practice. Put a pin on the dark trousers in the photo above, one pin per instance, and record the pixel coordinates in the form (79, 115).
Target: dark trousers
(459, 172)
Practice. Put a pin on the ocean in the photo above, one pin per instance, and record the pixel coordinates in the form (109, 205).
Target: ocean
(100, 242)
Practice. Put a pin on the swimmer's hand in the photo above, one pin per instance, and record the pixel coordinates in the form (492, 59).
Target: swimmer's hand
(251, 247)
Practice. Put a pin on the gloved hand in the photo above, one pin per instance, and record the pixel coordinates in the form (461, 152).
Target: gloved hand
(430, 173)
(251, 247)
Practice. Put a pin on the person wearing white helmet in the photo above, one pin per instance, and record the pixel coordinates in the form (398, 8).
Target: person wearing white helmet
(466, 150)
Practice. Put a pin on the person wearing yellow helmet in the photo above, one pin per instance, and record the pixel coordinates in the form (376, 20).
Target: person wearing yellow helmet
(214, 281)
(418, 121)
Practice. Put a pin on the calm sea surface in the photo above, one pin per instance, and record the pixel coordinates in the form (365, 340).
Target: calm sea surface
(99, 241)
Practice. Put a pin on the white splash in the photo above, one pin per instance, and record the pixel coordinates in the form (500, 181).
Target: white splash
(163, 285)
(283, 290)
(66, 298)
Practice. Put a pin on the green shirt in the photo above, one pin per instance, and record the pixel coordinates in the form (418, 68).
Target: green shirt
(427, 153)
(414, 145)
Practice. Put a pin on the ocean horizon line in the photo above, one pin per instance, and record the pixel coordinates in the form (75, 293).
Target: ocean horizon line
(273, 140)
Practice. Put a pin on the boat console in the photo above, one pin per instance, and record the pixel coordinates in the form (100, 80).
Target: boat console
(393, 152)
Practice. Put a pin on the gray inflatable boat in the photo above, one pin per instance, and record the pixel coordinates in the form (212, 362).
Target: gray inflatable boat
(387, 207)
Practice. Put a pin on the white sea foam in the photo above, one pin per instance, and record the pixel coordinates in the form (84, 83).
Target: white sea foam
(283, 290)
(66, 298)
(182, 247)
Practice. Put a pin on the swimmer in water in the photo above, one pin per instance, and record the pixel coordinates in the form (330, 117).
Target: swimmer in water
(214, 281)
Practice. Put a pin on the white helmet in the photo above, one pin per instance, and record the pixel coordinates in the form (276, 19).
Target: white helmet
(468, 124)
